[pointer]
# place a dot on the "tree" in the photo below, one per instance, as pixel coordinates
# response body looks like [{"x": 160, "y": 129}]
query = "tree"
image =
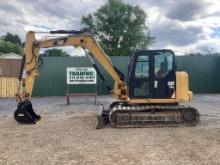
[
  {"x": 8, "y": 47},
  {"x": 55, "y": 53},
  {"x": 119, "y": 28},
  {"x": 13, "y": 38}
]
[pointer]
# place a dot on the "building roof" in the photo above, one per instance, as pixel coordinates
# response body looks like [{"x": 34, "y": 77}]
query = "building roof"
[{"x": 10, "y": 56}]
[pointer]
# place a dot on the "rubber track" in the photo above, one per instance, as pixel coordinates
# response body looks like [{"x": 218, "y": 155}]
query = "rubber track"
[{"x": 123, "y": 116}]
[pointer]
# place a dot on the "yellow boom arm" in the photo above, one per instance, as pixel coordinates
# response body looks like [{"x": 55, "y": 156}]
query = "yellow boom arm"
[{"x": 83, "y": 40}]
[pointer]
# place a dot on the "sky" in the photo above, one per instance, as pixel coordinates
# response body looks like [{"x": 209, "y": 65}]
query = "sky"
[{"x": 185, "y": 26}]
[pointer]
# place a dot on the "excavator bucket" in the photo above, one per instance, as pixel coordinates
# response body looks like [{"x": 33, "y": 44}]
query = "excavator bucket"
[
  {"x": 25, "y": 114},
  {"x": 102, "y": 117}
]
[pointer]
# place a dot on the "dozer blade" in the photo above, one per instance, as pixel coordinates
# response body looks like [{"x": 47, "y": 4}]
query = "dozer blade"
[
  {"x": 102, "y": 117},
  {"x": 25, "y": 114}
]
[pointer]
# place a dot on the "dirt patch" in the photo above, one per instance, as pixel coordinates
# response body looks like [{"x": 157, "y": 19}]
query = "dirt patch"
[{"x": 67, "y": 135}]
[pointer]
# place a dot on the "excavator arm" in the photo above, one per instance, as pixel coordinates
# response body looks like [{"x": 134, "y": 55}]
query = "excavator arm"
[
  {"x": 77, "y": 39},
  {"x": 30, "y": 66}
]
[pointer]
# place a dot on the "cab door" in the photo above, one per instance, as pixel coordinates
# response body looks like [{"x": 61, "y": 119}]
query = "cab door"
[
  {"x": 140, "y": 76},
  {"x": 152, "y": 74},
  {"x": 164, "y": 78}
]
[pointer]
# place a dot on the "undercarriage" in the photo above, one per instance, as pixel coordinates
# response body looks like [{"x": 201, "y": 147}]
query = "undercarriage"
[{"x": 123, "y": 115}]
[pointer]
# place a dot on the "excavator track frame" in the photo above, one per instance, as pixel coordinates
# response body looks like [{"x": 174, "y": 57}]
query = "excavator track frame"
[{"x": 124, "y": 115}]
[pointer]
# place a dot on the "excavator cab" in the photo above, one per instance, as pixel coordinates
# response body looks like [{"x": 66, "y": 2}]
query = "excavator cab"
[{"x": 152, "y": 74}]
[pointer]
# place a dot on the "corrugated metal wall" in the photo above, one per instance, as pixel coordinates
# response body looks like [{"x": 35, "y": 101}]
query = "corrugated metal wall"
[
  {"x": 203, "y": 74},
  {"x": 52, "y": 78}
]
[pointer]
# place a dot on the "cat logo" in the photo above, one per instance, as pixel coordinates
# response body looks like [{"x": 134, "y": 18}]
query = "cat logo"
[
  {"x": 60, "y": 42},
  {"x": 171, "y": 84}
]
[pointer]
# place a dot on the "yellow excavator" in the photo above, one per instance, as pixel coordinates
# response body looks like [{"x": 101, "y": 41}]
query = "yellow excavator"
[{"x": 151, "y": 95}]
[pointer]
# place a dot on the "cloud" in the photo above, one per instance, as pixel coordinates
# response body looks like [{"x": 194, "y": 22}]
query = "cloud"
[
  {"x": 185, "y": 26},
  {"x": 9, "y": 8},
  {"x": 186, "y": 10},
  {"x": 170, "y": 32}
]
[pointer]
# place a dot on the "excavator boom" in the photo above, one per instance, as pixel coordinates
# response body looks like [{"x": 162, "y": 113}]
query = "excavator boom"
[{"x": 25, "y": 112}]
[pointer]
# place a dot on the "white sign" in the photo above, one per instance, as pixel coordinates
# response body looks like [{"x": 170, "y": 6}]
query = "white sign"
[{"x": 81, "y": 75}]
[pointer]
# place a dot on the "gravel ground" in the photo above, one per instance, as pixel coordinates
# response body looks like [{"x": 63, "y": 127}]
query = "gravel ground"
[{"x": 67, "y": 135}]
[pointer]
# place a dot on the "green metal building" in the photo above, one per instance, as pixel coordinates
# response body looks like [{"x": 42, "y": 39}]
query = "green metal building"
[{"x": 203, "y": 74}]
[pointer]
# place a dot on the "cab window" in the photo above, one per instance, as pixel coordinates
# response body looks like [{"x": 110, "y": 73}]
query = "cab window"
[
  {"x": 142, "y": 67},
  {"x": 163, "y": 64}
]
